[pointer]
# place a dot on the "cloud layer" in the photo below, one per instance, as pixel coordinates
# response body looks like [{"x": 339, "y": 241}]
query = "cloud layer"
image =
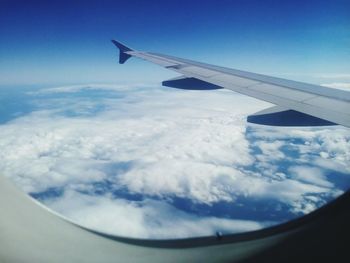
[
  {"x": 121, "y": 159},
  {"x": 338, "y": 85}
]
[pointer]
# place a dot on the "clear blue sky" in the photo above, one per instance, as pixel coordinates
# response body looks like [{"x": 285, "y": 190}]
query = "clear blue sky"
[{"x": 62, "y": 42}]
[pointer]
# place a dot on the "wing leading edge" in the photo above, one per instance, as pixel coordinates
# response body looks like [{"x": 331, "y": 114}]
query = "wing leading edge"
[{"x": 300, "y": 104}]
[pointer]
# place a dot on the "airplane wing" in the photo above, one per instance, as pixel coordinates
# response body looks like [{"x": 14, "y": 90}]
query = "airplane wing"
[{"x": 298, "y": 104}]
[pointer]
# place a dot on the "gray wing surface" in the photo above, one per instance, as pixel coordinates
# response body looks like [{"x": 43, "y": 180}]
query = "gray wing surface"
[{"x": 295, "y": 98}]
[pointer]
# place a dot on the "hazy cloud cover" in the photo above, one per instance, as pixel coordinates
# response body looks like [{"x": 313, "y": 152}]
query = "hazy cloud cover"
[
  {"x": 338, "y": 85},
  {"x": 147, "y": 161}
]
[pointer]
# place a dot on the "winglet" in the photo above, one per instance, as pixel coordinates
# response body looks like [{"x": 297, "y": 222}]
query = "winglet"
[{"x": 123, "y": 56}]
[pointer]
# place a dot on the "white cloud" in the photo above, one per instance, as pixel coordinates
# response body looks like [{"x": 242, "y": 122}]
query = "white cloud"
[
  {"x": 310, "y": 175},
  {"x": 333, "y": 76},
  {"x": 54, "y": 150},
  {"x": 338, "y": 85},
  {"x": 270, "y": 150},
  {"x": 164, "y": 143},
  {"x": 91, "y": 86}
]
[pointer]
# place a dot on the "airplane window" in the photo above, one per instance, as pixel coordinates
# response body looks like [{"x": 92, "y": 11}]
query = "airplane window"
[
  {"x": 191, "y": 131},
  {"x": 147, "y": 161}
]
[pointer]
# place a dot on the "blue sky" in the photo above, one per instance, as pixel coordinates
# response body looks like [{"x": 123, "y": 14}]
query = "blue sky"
[{"x": 64, "y": 42}]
